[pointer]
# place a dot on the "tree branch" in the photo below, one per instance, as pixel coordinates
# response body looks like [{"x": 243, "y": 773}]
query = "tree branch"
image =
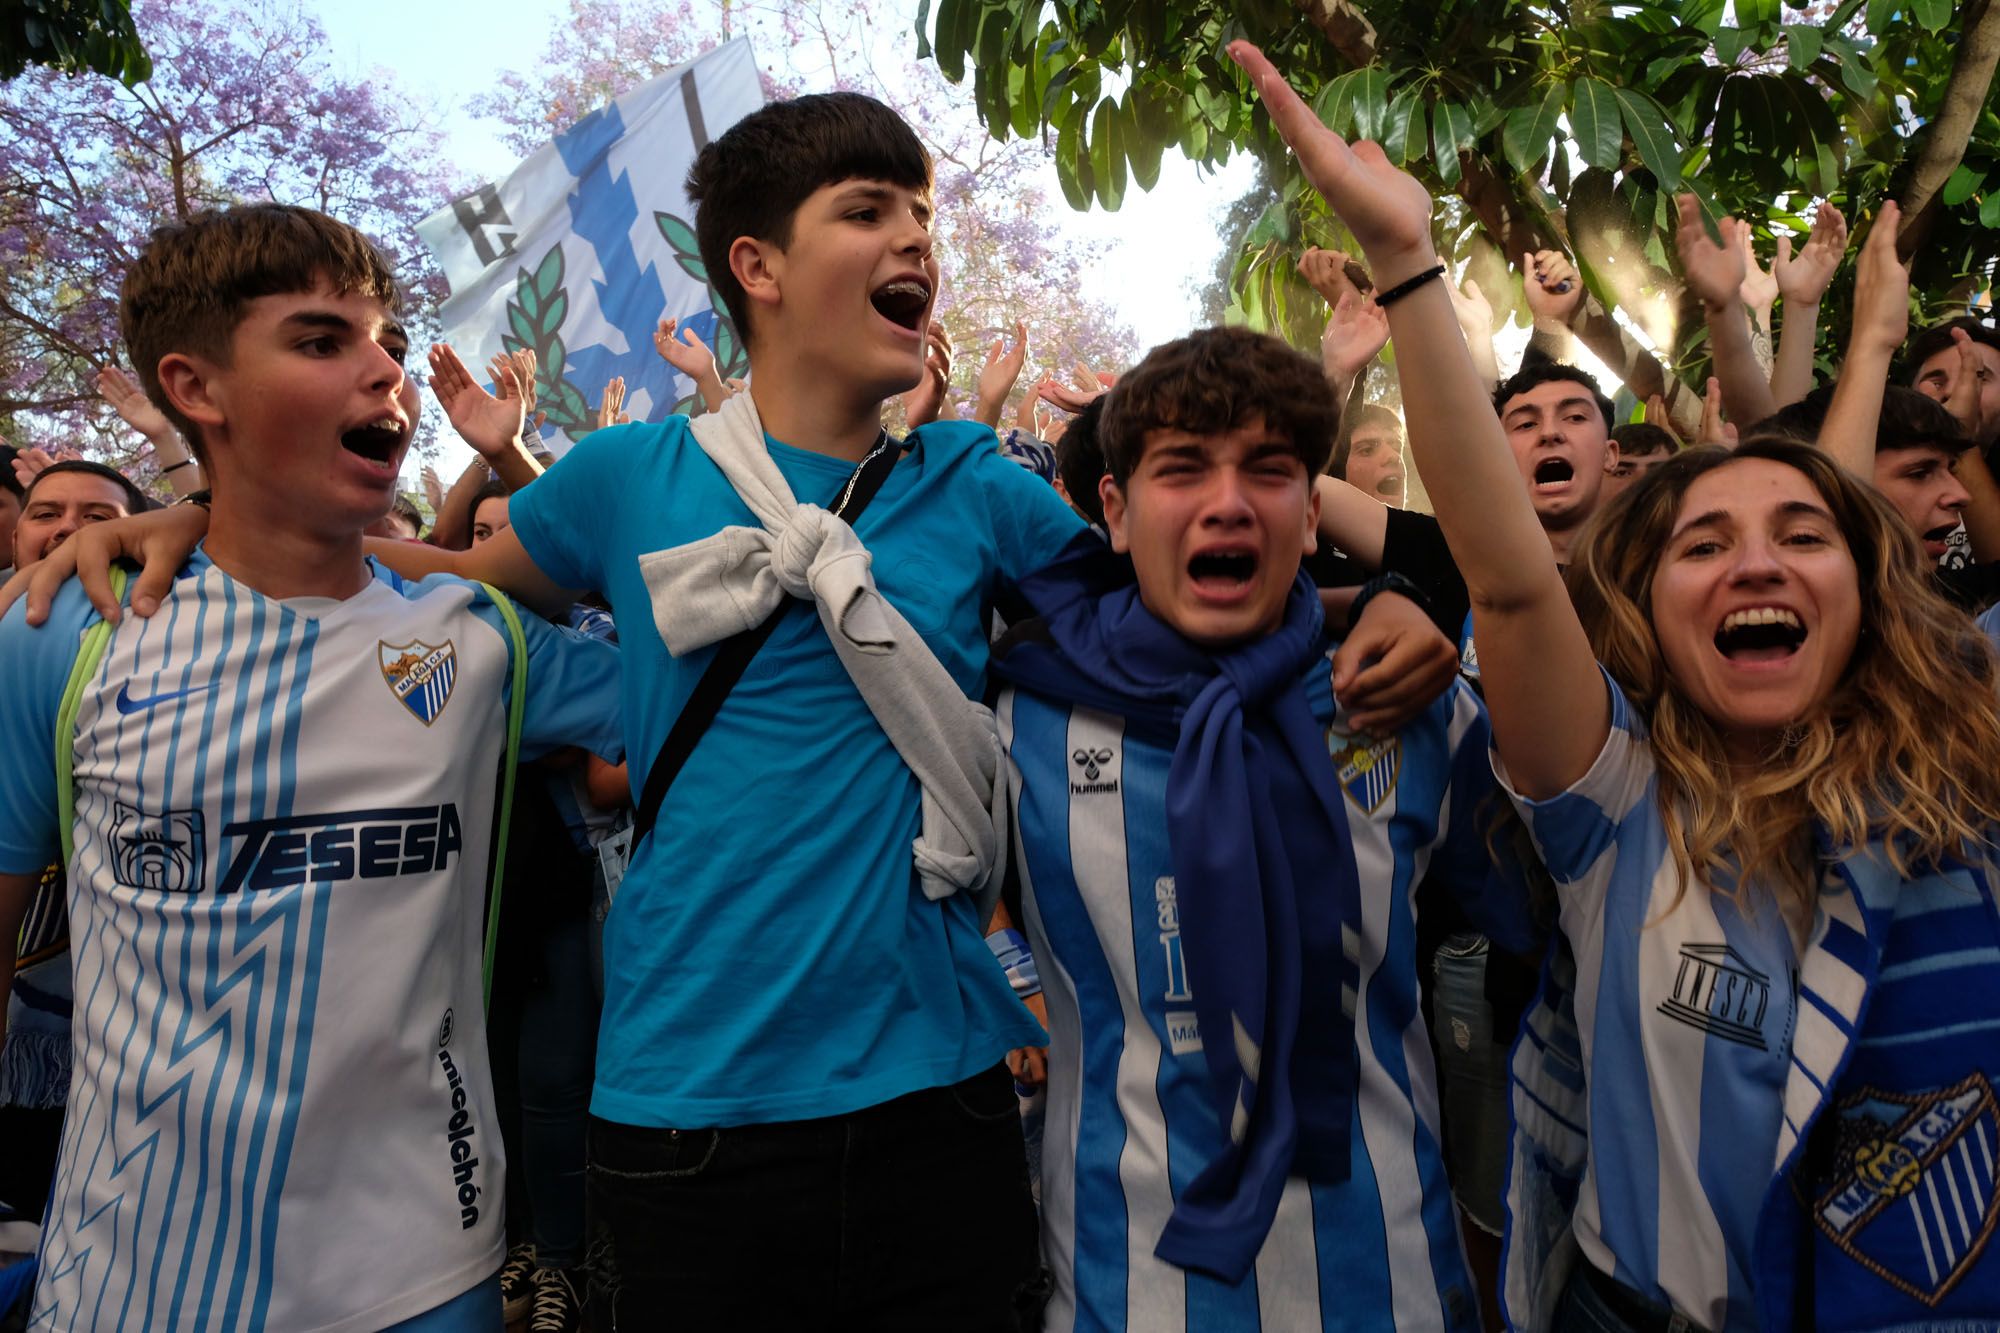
[
  {"x": 1346, "y": 28},
  {"x": 1944, "y": 147}
]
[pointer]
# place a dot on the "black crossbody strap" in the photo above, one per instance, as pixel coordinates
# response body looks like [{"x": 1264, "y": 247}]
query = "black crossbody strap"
[{"x": 730, "y": 661}]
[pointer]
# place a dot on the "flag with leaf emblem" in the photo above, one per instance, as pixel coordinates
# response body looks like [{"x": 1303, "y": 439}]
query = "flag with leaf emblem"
[{"x": 581, "y": 251}]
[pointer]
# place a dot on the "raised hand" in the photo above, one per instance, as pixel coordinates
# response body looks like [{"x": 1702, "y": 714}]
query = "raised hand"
[
  {"x": 1803, "y": 278},
  {"x": 1714, "y": 272},
  {"x": 522, "y": 361},
  {"x": 1474, "y": 311},
  {"x": 611, "y": 412},
  {"x": 922, "y": 404},
  {"x": 1552, "y": 286},
  {"x": 688, "y": 353},
  {"x": 998, "y": 376},
  {"x": 1964, "y": 400},
  {"x": 131, "y": 403},
  {"x": 1355, "y": 336},
  {"x": 490, "y": 425},
  {"x": 433, "y": 488},
  {"x": 1759, "y": 288},
  {"x": 1328, "y": 272},
  {"x": 30, "y": 463},
  {"x": 1385, "y": 208},
  {"x": 1881, "y": 289},
  {"x": 1086, "y": 386},
  {"x": 1714, "y": 430},
  {"x": 1032, "y": 413}
]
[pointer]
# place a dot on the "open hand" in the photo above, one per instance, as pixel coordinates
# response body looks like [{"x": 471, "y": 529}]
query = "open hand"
[
  {"x": 688, "y": 353},
  {"x": 1474, "y": 311},
  {"x": 1385, "y": 208},
  {"x": 611, "y": 412},
  {"x": 922, "y": 404},
  {"x": 131, "y": 403},
  {"x": 160, "y": 540},
  {"x": 490, "y": 425},
  {"x": 1881, "y": 289},
  {"x": 1714, "y": 272},
  {"x": 1086, "y": 386},
  {"x": 1759, "y": 288},
  {"x": 1964, "y": 400},
  {"x": 998, "y": 376},
  {"x": 1355, "y": 336},
  {"x": 523, "y": 363},
  {"x": 1714, "y": 430},
  {"x": 1802, "y": 279}
]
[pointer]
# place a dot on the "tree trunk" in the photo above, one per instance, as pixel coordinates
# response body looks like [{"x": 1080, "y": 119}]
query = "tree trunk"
[{"x": 1944, "y": 148}]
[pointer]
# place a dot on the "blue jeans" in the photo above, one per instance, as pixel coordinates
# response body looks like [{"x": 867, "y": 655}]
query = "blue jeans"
[
  {"x": 1472, "y": 1077},
  {"x": 914, "y": 1214}
]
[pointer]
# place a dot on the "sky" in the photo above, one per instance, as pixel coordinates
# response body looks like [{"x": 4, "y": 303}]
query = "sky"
[{"x": 1150, "y": 255}]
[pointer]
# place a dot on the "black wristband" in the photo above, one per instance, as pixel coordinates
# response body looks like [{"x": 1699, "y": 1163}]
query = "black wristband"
[
  {"x": 1403, "y": 289},
  {"x": 199, "y": 497},
  {"x": 172, "y": 467},
  {"x": 1387, "y": 581}
]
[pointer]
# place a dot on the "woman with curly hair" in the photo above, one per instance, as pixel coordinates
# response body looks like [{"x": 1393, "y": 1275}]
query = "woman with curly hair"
[{"x": 1758, "y": 757}]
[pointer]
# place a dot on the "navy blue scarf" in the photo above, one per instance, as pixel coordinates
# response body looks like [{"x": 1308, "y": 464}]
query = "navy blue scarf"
[{"x": 1263, "y": 869}]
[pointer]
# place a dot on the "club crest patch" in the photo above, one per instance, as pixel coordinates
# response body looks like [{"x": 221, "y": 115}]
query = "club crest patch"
[
  {"x": 1912, "y": 1193},
  {"x": 1365, "y": 766},
  {"x": 162, "y": 851},
  {"x": 420, "y": 675}
]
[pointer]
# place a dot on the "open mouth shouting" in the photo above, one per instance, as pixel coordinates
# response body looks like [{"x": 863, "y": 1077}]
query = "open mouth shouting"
[
  {"x": 1760, "y": 636},
  {"x": 903, "y": 302},
  {"x": 1938, "y": 540},
  {"x": 1222, "y": 573},
  {"x": 379, "y": 441},
  {"x": 1553, "y": 474}
]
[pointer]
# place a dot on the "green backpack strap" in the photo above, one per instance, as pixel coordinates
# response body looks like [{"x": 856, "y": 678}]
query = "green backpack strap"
[
  {"x": 89, "y": 654},
  {"x": 517, "y": 697}
]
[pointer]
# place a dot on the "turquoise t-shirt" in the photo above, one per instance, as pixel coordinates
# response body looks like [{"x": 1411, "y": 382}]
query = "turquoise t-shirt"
[{"x": 770, "y": 955}]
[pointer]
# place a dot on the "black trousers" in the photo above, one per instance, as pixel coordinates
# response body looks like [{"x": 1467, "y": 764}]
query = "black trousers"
[{"x": 914, "y": 1214}]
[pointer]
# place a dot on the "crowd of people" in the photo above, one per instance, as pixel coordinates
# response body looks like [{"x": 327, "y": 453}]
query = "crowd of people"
[{"x": 1117, "y": 869}]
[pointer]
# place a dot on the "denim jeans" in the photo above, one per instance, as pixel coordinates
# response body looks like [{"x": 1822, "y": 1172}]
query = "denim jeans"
[
  {"x": 1472, "y": 1077},
  {"x": 914, "y": 1214},
  {"x": 1584, "y": 1308}
]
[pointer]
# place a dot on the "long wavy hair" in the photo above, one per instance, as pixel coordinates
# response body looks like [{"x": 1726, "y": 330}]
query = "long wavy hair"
[{"x": 1905, "y": 751}]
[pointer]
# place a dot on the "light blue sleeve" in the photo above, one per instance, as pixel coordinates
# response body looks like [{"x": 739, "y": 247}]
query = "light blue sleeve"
[
  {"x": 35, "y": 664},
  {"x": 573, "y": 686},
  {"x": 1031, "y": 523},
  {"x": 1494, "y": 896},
  {"x": 561, "y": 517},
  {"x": 1989, "y": 624}
]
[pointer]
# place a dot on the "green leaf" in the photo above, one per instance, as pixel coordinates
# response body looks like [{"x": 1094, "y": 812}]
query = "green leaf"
[
  {"x": 1828, "y": 163},
  {"x": 1703, "y": 15},
  {"x": 1729, "y": 43},
  {"x": 923, "y": 29},
  {"x": 1880, "y": 14},
  {"x": 1933, "y": 14},
  {"x": 1143, "y": 144},
  {"x": 1451, "y": 133},
  {"x": 951, "y": 44},
  {"x": 1024, "y": 98},
  {"x": 1593, "y": 115},
  {"x": 1073, "y": 167},
  {"x": 1653, "y": 135},
  {"x": 1989, "y": 212},
  {"x": 1749, "y": 13},
  {"x": 549, "y": 273},
  {"x": 1529, "y": 129},
  {"x": 1802, "y": 45},
  {"x": 549, "y": 368},
  {"x": 1335, "y": 103},
  {"x": 1964, "y": 183},
  {"x": 529, "y": 335},
  {"x": 1406, "y": 126},
  {"x": 1371, "y": 104},
  {"x": 1107, "y": 155}
]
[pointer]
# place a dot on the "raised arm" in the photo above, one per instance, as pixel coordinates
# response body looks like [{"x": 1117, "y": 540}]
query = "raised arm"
[
  {"x": 1715, "y": 274},
  {"x": 1802, "y": 280},
  {"x": 1550, "y": 711},
  {"x": 492, "y": 426},
  {"x": 1881, "y": 322},
  {"x": 170, "y": 452}
]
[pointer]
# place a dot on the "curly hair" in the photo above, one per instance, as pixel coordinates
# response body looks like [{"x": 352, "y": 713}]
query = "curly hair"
[{"x": 1901, "y": 753}]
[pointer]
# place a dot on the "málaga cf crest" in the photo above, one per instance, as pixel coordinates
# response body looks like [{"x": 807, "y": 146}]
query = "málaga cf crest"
[{"x": 420, "y": 675}]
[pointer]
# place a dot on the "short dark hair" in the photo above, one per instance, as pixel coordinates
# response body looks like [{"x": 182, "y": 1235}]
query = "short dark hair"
[
  {"x": 494, "y": 489},
  {"x": 1212, "y": 381},
  {"x": 1908, "y": 420},
  {"x": 406, "y": 508},
  {"x": 751, "y": 181},
  {"x": 1368, "y": 414},
  {"x": 1080, "y": 460},
  {"x": 1642, "y": 439},
  {"x": 135, "y": 499},
  {"x": 1937, "y": 338},
  {"x": 1543, "y": 372},
  {"x": 187, "y": 290}
]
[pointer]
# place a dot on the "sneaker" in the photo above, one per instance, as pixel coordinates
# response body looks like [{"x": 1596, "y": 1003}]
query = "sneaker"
[
  {"x": 558, "y": 1302},
  {"x": 517, "y": 1283}
]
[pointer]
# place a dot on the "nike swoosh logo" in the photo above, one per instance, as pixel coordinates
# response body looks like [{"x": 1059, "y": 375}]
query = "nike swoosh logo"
[{"x": 127, "y": 704}]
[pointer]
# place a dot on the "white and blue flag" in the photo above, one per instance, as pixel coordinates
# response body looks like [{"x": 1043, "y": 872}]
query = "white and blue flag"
[{"x": 582, "y": 250}]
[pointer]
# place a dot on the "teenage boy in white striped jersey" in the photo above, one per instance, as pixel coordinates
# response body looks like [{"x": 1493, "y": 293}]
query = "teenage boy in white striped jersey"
[{"x": 1217, "y": 862}]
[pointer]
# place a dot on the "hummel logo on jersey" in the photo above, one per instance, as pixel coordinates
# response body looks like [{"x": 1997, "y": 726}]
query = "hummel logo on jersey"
[
  {"x": 162, "y": 851},
  {"x": 420, "y": 675},
  {"x": 325, "y": 849},
  {"x": 128, "y": 705},
  {"x": 1092, "y": 763}
]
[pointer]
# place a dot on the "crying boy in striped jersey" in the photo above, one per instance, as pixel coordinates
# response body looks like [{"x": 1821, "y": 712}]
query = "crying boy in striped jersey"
[{"x": 1216, "y": 865}]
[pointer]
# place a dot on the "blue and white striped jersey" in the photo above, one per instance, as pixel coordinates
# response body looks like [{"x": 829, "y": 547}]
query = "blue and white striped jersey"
[
  {"x": 280, "y": 1114},
  {"x": 1131, "y": 1119},
  {"x": 1737, "y": 1105}
]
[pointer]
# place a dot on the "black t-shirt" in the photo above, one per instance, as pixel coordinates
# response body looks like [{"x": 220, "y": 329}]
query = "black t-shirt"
[{"x": 1413, "y": 545}]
